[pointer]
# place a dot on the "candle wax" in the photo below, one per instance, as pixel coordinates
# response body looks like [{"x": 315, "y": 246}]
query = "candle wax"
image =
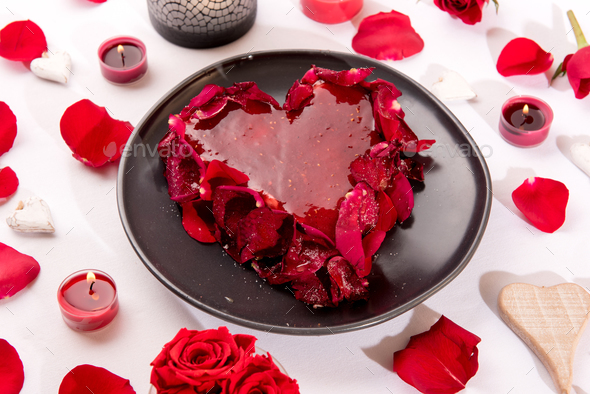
[
  {"x": 79, "y": 295},
  {"x": 130, "y": 56},
  {"x": 534, "y": 120}
]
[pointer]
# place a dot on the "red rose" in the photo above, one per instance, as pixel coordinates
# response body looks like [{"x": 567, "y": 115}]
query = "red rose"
[
  {"x": 197, "y": 361},
  {"x": 261, "y": 376},
  {"x": 469, "y": 11}
]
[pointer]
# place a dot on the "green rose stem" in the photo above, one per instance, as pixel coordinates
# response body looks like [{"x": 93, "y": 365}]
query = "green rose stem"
[{"x": 580, "y": 39}]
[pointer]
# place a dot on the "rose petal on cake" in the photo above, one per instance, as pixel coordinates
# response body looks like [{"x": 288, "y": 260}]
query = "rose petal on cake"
[
  {"x": 184, "y": 170},
  {"x": 22, "y": 41},
  {"x": 315, "y": 233},
  {"x": 198, "y": 220},
  {"x": 523, "y": 56},
  {"x": 264, "y": 233},
  {"x": 387, "y": 36},
  {"x": 543, "y": 202},
  {"x": 8, "y": 183},
  {"x": 207, "y": 94},
  {"x": 12, "y": 374},
  {"x": 378, "y": 84},
  {"x": 409, "y": 140},
  {"x": 310, "y": 76},
  {"x": 93, "y": 136},
  {"x": 16, "y": 271},
  {"x": 211, "y": 109},
  {"x": 350, "y": 285},
  {"x": 358, "y": 214},
  {"x": 310, "y": 289},
  {"x": 218, "y": 174},
  {"x": 7, "y": 128},
  {"x": 387, "y": 212},
  {"x": 417, "y": 146},
  {"x": 322, "y": 219},
  {"x": 176, "y": 125},
  {"x": 298, "y": 96},
  {"x": 401, "y": 196},
  {"x": 345, "y": 77},
  {"x": 231, "y": 204},
  {"x": 440, "y": 360},
  {"x": 253, "y": 92},
  {"x": 411, "y": 169},
  {"x": 387, "y": 104},
  {"x": 376, "y": 172},
  {"x": 95, "y": 379}
]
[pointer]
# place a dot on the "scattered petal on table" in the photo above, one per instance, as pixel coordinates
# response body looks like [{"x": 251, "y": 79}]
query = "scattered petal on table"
[
  {"x": 93, "y": 379},
  {"x": 543, "y": 202},
  {"x": 8, "y": 183},
  {"x": 387, "y": 36},
  {"x": 22, "y": 41},
  {"x": 12, "y": 374},
  {"x": 7, "y": 128},
  {"x": 93, "y": 136},
  {"x": 16, "y": 271},
  {"x": 523, "y": 56}
]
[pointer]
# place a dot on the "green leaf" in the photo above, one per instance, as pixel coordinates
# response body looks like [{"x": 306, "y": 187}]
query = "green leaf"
[{"x": 557, "y": 72}]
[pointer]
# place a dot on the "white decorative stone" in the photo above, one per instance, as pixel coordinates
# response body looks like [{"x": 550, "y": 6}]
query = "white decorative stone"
[
  {"x": 452, "y": 86},
  {"x": 55, "y": 68},
  {"x": 31, "y": 216},
  {"x": 581, "y": 156}
]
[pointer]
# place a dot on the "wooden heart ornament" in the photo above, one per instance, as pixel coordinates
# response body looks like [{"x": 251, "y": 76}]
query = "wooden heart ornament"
[{"x": 550, "y": 320}]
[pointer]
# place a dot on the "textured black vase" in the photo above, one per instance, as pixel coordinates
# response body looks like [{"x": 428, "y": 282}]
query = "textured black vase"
[{"x": 202, "y": 23}]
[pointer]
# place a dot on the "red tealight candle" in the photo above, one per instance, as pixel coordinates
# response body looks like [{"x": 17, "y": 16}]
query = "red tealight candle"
[
  {"x": 525, "y": 121},
  {"x": 331, "y": 11},
  {"x": 122, "y": 59},
  {"x": 88, "y": 300}
]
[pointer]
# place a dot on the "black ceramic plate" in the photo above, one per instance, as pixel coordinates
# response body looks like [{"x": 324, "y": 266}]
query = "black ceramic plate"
[{"x": 416, "y": 260}]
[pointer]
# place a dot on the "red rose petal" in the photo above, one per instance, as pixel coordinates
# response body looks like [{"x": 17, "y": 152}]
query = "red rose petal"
[
  {"x": 298, "y": 96},
  {"x": 98, "y": 380},
  {"x": 469, "y": 11},
  {"x": 218, "y": 174},
  {"x": 16, "y": 271},
  {"x": 345, "y": 77},
  {"x": 22, "y": 41},
  {"x": 198, "y": 220},
  {"x": 8, "y": 183},
  {"x": 7, "y": 128},
  {"x": 401, "y": 196},
  {"x": 350, "y": 285},
  {"x": 440, "y": 360},
  {"x": 387, "y": 36},
  {"x": 523, "y": 56},
  {"x": 260, "y": 375},
  {"x": 12, "y": 374},
  {"x": 578, "y": 72},
  {"x": 97, "y": 1},
  {"x": 543, "y": 202},
  {"x": 93, "y": 136},
  {"x": 264, "y": 233}
]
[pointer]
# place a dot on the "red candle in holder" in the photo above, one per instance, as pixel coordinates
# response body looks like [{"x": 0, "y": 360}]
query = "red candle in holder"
[
  {"x": 331, "y": 11},
  {"x": 88, "y": 300},
  {"x": 123, "y": 60},
  {"x": 525, "y": 121}
]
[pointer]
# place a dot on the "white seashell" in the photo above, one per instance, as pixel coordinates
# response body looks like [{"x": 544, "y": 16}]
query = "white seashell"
[
  {"x": 452, "y": 86},
  {"x": 55, "y": 68},
  {"x": 581, "y": 156},
  {"x": 31, "y": 216}
]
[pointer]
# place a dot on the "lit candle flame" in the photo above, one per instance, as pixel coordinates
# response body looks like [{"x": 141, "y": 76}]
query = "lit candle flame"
[
  {"x": 525, "y": 110},
  {"x": 90, "y": 277},
  {"x": 120, "y": 49}
]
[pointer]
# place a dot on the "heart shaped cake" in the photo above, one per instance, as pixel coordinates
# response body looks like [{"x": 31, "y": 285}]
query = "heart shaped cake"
[{"x": 304, "y": 192}]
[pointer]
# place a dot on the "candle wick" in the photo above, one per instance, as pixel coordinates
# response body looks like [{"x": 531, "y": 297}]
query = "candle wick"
[
  {"x": 92, "y": 284},
  {"x": 123, "y": 59}
]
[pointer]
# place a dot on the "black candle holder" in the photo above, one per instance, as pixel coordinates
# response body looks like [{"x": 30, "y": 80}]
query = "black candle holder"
[{"x": 202, "y": 23}]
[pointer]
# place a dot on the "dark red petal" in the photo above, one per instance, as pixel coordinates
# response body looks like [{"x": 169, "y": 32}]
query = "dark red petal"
[
  {"x": 7, "y": 128},
  {"x": 350, "y": 285},
  {"x": 523, "y": 56},
  {"x": 8, "y": 183},
  {"x": 298, "y": 96},
  {"x": 468, "y": 11},
  {"x": 401, "y": 196},
  {"x": 387, "y": 36},
  {"x": 22, "y": 41},
  {"x": 578, "y": 72},
  {"x": 198, "y": 220},
  {"x": 218, "y": 174},
  {"x": 543, "y": 202},
  {"x": 97, "y": 380},
  {"x": 387, "y": 212},
  {"x": 93, "y": 136},
  {"x": 264, "y": 233},
  {"x": 310, "y": 76},
  {"x": 16, "y": 271},
  {"x": 345, "y": 77},
  {"x": 12, "y": 374}
]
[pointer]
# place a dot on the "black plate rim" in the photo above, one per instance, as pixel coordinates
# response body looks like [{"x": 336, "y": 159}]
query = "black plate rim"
[{"x": 323, "y": 330}]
